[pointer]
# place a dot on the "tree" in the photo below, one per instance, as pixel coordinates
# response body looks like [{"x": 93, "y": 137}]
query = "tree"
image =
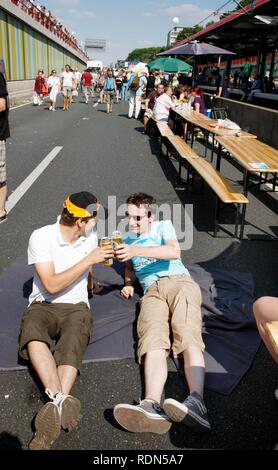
[
  {"x": 144, "y": 55},
  {"x": 186, "y": 32},
  {"x": 242, "y": 3}
]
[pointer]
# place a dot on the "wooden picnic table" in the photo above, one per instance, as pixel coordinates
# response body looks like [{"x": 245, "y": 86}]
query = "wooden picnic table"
[
  {"x": 250, "y": 153},
  {"x": 253, "y": 155},
  {"x": 210, "y": 126}
]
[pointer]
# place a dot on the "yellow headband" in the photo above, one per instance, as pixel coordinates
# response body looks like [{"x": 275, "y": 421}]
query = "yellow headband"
[{"x": 75, "y": 210}]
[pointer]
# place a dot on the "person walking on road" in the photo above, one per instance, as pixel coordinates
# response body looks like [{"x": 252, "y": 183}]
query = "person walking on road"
[
  {"x": 110, "y": 90},
  {"x": 53, "y": 83},
  {"x": 39, "y": 88},
  {"x": 4, "y": 134},
  {"x": 171, "y": 301},
  {"x": 136, "y": 88},
  {"x": 56, "y": 326},
  {"x": 87, "y": 83},
  {"x": 67, "y": 85}
]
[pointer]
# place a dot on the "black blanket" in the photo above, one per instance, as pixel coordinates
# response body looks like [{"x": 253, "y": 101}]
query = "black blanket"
[{"x": 229, "y": 329}]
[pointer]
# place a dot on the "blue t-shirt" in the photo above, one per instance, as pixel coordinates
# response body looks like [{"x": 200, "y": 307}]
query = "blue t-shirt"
[
  {"x": 149, "y": 270},
  {"x": 110, "y": 84}
]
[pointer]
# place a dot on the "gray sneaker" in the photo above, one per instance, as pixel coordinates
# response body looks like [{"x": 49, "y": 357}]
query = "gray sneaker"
[
  {"x": 145, "y": 417},
  {"x": 191, "y": 412}
]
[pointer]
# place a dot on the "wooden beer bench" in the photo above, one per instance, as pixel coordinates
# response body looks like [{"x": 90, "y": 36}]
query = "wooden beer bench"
[
  {"x": 165, "y": 133},
  {"x": 225, "y": 191}
]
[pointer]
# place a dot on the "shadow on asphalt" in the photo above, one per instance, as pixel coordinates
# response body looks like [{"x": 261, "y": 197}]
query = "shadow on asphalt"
[
  {"x": 124, "y": 116},
  {"x": 9, "y": 442},
  {"x": 109, "y": 417}
]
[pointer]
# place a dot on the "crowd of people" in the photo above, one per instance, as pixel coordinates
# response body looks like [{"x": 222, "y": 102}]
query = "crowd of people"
[
  {"x": 47, "y": 19},
  {"x": 157, "y": 91},
  {"x": 243, "y": 79}
]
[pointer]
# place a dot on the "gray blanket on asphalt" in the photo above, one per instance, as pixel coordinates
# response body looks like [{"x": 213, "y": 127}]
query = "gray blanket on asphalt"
[{"x": 229, "y": 329}]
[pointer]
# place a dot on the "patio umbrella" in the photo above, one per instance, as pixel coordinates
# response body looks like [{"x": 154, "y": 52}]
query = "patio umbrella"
[
  {"x": 140, "y": 67},
  {"x": 196, "y": 48},
  {"x": 170, "y": 65}
]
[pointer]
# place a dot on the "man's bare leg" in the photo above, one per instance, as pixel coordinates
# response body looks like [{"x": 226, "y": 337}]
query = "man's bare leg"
[
  {"x": 3, "y": 197},
  {"x": 44, "y": 364},
  {"x": 265, "y": 310},
  {"x": 192, "y": 412},
  {"x": 148, "y": 416},
  {"x": 155, "y": 368},
  {"x": 146, "y": 120},
  {"x": 67, "y": 376},
  {"x": 48, "y": 419},
  {"x": 194, "y": 369}
]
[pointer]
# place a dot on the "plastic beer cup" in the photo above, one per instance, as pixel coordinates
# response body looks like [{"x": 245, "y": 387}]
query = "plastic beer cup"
[
  {"x": 117, "y": 238},
  {"x": 106, "y": 242}
]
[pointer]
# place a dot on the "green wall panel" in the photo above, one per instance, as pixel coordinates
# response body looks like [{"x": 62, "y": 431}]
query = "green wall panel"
[{"x": 25, "y": 50}]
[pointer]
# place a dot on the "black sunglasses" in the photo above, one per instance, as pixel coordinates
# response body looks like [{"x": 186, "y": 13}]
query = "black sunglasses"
[{"x": 137, "y": 218}]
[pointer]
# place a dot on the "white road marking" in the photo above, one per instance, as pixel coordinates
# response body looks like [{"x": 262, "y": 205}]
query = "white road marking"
[
  {"x": 25, "y": 104},
  {"x": 27, "y": 183},
  {"x": 20, "y": 105}
]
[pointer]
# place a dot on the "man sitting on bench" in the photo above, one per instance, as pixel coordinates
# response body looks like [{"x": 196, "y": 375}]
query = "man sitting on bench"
[{"x": 149, "y": 104}]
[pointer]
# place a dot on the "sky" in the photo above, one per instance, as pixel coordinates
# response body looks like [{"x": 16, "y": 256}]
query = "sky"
[{"x": 128, "y": 25}]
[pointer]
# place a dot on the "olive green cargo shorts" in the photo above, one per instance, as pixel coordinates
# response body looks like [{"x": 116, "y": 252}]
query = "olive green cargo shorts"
[{"x": 65, "y": 328}]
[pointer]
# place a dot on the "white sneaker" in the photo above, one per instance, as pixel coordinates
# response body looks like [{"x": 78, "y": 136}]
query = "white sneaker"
[
  {"x": 53, "y": 109},
  {"x": 69, "y": 408},
  {"x": 50, "y": 108}
]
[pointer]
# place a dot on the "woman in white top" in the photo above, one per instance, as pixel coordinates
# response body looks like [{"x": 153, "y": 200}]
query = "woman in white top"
[{"x": 53, "y": 83}]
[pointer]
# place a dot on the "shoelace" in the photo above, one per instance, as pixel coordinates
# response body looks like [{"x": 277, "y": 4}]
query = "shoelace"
[
  {"x": 155, "y": 407},
  {"x": 195, "y": 401},
  {"x": 57, "y": 399}
]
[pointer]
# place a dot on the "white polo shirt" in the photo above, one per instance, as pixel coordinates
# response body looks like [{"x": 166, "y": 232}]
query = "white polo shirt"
[
  {"x": 47, "y": 245},
  {"x": 67, "y": 79}
]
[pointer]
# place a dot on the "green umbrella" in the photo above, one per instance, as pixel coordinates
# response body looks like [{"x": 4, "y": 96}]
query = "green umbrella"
[{"x": 169, "y": 64}]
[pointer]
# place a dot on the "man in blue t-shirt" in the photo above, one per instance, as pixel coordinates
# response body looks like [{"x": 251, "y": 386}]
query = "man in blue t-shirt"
[{"x": 172, "y": 300}]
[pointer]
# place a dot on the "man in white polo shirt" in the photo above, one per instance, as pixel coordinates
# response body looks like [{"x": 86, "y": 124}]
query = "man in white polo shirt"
[{"x": 62, "y": 255}]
